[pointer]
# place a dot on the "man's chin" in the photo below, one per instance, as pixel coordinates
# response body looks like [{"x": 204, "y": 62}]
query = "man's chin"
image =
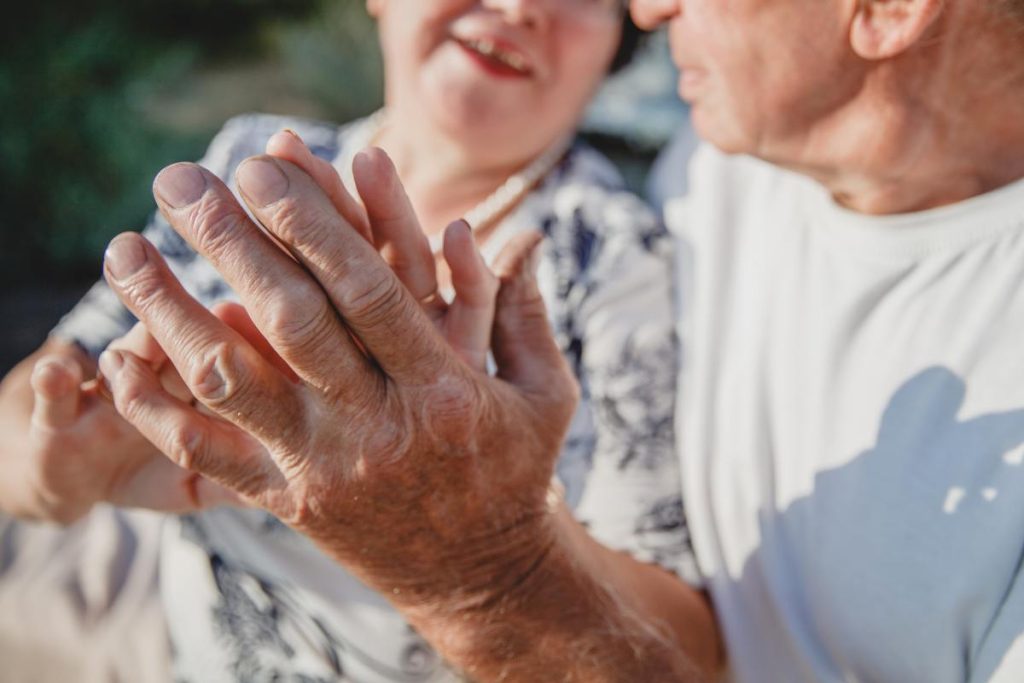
[{"x": 715, "y": 129}]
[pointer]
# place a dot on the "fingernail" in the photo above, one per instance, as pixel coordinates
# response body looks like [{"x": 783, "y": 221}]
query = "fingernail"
[
  {"x": 180, "y": 185},
  {"x": 125, "y": 256},
  {"x": 261, "y": 181},
  {"x": 111, "y": 363},
  {"x": 289, "y": 131}
]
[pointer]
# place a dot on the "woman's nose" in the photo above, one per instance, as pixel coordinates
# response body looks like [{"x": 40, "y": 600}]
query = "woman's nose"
[{"x": 648, "y": 14}]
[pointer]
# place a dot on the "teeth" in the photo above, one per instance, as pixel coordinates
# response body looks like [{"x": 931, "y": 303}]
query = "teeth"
[{"x": 489, "y": 49}]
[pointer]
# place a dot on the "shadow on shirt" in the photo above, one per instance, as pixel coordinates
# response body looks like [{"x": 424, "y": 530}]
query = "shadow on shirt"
[{"x": 905, "y": 563}]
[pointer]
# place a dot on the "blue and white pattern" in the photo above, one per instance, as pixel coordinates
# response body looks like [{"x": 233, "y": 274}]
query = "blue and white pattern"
[{"x": 248, "y": 599}]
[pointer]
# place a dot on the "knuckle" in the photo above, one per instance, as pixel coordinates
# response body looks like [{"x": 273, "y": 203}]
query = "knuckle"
[
  {"x": 374, "y": 302},
  {"x": 305, "y": 509},
  {"x": 215, "y": 225},
  {"x": 304, "y": 315},
  {"x": 131, "y": 394},
  {"x": 187, "y": 446},
  {"x": 302, "y": 226},
  {"x": 454, "y": 405},
  {"x": 213, "y": 379},
  {"x": 144, "y": 288}
]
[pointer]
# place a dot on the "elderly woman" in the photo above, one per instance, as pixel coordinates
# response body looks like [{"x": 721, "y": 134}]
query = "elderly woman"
[{"x": 482, "y": 98}]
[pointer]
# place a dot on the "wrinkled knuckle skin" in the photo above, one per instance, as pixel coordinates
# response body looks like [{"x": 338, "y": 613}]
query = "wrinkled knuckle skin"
[
  {"x": 304, "y": 316},
  {"x": 144, "y": 289},
  {"x": 374, "y": 302},
  {"x": 297, "y": 224},
  {"x": 305, "y": 511},
  {"x": 187, "y": 447},
  {"x": 131, "y": 395},
  {"x": 214, "y": 379},
  {"x": 215, "y": 224},
  {"x": 455, "y": 398}
]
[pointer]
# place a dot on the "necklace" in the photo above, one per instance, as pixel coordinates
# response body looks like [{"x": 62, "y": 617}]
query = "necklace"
[{"x": 494, "y": 205}]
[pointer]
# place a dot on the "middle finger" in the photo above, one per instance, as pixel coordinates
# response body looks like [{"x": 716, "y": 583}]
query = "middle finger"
[{"x": 287, "y": 305}]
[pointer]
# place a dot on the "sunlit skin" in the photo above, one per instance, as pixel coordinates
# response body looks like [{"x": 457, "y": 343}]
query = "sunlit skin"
[
  {"x": 893, "y": 106},
  {"x": 460, "y": 122},
  {"x": 460, "y": 126}
]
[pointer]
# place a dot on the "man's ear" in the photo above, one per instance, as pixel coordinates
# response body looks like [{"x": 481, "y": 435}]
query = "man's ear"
[
  {"x": 885, "y": 28},
  {"x": 373, "y": 7}
]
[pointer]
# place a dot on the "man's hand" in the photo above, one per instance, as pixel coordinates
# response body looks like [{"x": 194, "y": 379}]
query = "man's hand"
[
  {"x": 420, "y": 473},
  {"x": 382, "y": 438},
  {"x": 391, "y": 227}
]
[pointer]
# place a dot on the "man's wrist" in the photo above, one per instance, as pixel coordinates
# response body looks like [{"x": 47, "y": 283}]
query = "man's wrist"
[{"x": 561, "y": 618}]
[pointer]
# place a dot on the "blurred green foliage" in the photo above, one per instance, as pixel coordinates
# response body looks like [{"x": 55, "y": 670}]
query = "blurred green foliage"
[{"x": 80, "y": 135}]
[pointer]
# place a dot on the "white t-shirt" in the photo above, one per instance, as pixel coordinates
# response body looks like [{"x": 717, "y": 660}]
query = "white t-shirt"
[{"x": 851, "y": 428}]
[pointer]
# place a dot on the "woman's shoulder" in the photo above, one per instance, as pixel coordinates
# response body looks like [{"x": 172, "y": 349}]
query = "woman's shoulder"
[
  {"x": 246, "y": 135},
  {"x": 588, "y": 203},
  {"x": 588, "y": 186}
]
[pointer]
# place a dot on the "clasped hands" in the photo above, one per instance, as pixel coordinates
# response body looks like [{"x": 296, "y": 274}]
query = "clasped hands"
[{"x": 352, "y": 402}]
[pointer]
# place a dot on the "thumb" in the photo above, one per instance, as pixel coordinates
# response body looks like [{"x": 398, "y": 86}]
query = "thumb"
[
  {"x": 56, "y": 381},
  {"x": 524, "y": 346}
]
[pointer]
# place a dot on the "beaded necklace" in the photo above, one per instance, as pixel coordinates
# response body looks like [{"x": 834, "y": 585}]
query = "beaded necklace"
[{"x": 493, "y": 206}]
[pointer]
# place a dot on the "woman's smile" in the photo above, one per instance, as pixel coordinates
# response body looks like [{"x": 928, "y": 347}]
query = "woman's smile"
[{"x": 496, "y": 57}]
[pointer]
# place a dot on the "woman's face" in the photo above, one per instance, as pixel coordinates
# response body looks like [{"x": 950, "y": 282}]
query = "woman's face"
[{"x": 506, "y": 77}]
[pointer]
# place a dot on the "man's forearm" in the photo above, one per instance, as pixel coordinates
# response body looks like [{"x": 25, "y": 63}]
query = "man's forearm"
[{"x": 584, "y": 613}]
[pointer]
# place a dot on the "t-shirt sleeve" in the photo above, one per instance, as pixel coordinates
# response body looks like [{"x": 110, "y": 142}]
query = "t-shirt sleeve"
[
  {"x": 627, "y": 357},
  {"x": 99, "y": 318}
]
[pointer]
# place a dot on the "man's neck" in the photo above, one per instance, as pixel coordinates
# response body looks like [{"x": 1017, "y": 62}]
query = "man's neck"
[{"x": 916, "y": 138}]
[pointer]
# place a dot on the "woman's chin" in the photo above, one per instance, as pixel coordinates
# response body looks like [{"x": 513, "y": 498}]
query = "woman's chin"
[{"x": 475, "y": 115}]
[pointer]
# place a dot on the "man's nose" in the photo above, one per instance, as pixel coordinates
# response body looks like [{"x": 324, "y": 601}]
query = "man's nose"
[{"x": 648, "y": 14}]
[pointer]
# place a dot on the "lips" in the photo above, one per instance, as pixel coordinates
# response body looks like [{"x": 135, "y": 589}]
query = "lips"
[{"x": 497, "y": 56}]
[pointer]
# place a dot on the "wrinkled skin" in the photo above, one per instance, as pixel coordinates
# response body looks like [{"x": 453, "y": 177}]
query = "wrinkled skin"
[{"x": 423, "y": 475}]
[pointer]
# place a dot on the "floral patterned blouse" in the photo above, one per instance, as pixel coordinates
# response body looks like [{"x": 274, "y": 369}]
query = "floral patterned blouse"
[{"x": 247, "y": 599}]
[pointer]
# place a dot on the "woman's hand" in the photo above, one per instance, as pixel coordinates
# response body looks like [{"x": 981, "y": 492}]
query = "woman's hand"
[{"x": 66, "y": 448}]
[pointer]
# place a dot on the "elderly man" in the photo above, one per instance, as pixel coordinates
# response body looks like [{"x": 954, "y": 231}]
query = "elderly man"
[{"x": 851, "y": 423}]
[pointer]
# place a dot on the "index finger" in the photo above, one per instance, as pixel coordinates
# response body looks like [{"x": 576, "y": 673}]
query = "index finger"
[
  {"x": 288, "y": 306},
  {"x": 369, "y": 296}
]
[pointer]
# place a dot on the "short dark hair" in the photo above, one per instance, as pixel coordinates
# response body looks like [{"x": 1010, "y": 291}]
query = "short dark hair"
[{"x": 630, "y": 43}]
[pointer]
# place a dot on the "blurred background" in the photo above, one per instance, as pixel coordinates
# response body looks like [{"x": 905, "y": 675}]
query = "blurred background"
[{"x": 96, "y": 96}]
